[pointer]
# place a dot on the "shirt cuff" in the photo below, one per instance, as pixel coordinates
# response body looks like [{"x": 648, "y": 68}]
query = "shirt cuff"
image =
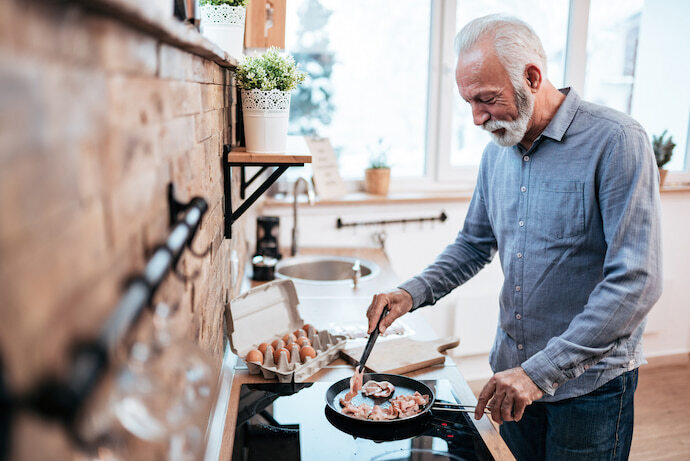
[
  {"x": 544, "y": 372},
  {"x": 417, "y": 289}
]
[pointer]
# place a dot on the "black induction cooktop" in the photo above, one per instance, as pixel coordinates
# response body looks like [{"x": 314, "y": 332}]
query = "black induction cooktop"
[{"x": 292, "y": 422}]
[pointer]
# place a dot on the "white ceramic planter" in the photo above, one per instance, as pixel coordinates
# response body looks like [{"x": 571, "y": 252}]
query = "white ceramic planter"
[
  {"x": 224, "y": 26},
  {"x": 265, "y": 115}
]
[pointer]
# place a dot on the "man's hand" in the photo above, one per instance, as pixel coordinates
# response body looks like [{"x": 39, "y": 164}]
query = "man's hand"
[
  {"x": 399, "y": 302},
  {"x": 510, "y": 392}
]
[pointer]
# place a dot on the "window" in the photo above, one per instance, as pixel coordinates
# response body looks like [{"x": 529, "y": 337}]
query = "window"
[
  {"x": 612, "y": 37},
  {"x": 385, "y": 70},
  {"x": 467, "y": 141},
  {"x": 368, "y": 64}
]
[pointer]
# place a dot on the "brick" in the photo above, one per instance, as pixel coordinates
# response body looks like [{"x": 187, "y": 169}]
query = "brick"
[
  {"x": 176, "y": 136},
  {"x": 206, "y": 124},
  {"x": 182, "y": 98},
  {"x": 127, "y": 151},
  {"x": 212, "y": 97},
  {"x": 174, "y": 63},
  {"x": 128, "y": 203},
  {"x": 135, "y": 101},
  {"x": 124, "y": 50}
]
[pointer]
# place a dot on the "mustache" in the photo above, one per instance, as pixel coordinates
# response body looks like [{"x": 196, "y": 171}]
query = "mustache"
[{"x": 493, "y": 125}]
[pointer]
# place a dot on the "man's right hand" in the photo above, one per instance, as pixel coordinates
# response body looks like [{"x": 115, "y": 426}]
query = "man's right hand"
[{"x": 399, "y": 303}]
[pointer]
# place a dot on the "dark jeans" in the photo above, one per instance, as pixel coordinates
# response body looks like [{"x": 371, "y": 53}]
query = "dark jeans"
[{"x": 595, "y": 426}]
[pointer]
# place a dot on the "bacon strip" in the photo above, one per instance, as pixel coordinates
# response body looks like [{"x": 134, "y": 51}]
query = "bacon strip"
[
  {"x": 378, "y": 389},
  {"x": 355, "y": 384}
]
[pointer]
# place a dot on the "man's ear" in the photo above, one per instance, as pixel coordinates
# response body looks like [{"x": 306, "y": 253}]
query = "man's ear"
[{"x": 533, "y": 77}]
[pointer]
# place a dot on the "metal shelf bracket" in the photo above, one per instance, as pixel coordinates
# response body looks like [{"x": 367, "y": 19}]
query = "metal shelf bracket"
[{"x": 230, "y": 216}]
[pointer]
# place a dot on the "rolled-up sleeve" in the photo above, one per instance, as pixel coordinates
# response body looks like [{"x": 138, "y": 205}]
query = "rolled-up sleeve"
[{"x": 628, "y": 196}]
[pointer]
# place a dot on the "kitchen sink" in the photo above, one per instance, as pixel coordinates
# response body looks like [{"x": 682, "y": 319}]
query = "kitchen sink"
[{"x": 326, "y": 269}]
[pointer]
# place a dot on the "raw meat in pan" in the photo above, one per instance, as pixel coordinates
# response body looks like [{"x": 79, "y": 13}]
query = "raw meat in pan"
[
  {"x": 355, "y": 384},
  {"x": 378, "y": 389},
  {"x": 400, "y": 407},
  {"x": 409, "y": 405}
]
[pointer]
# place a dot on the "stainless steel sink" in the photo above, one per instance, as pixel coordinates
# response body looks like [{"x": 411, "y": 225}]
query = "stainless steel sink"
[{"x": 321, "y": 269}]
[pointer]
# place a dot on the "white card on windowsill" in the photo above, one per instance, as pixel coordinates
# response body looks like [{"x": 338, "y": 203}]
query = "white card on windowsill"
[{"x": 327, "y": 180}]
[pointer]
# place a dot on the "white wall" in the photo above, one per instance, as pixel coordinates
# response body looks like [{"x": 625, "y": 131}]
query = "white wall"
[{"x": 471, "y": 311}]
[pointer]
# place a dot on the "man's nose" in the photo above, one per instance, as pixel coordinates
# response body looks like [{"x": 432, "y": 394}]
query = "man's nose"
[{"x": 479, "y": 116}]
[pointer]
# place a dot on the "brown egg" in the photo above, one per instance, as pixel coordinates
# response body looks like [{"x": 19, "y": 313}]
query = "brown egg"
[
  {"x": 299, "y": 333},
  {"x": 277, "y": 344},
  {"x": 306, "y": 328},
  {"x": 255, "y": 356},
  {"x": 306, "y": 351},
  {"x": 303, "y": 341},
  {"x": 263, "y": 346},
  {"x": 289, "y": 338},
  {"x": 276, "y": 355}
]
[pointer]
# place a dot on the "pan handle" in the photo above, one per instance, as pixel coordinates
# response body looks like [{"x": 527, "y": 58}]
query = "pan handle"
[{"x": 457, "y": 407}]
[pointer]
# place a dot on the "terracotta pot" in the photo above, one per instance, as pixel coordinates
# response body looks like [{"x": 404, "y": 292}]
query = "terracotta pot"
[
  {"x": 662, "y": 176},
  {"x": 377, "y": 180}
]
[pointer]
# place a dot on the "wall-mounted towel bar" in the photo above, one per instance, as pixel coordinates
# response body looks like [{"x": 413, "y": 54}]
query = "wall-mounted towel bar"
[{"x": 340, "y": 224}]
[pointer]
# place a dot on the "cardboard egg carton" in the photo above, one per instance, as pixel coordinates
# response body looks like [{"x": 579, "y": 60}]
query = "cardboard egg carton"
[
  {"x": 326, "y": 345},
  {"x": 269, "y": 312}
]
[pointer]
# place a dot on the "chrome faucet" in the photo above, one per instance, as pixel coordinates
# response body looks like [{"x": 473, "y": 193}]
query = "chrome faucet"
[
  {"x": 310, "y": 197},
  {"x": 356, "y": 273}
]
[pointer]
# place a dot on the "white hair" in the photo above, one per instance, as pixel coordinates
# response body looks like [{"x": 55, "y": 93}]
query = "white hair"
[{"x": 516, "y": 44}]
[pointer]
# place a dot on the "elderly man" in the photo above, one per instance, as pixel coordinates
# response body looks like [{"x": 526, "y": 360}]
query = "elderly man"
[{"x": 567, "y": 193}]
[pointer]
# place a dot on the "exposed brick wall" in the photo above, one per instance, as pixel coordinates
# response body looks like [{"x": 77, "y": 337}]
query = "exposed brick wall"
[{"x": 96, "y": 118}]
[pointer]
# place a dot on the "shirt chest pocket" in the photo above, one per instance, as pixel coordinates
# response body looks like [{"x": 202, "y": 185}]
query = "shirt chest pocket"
[{"x": 560, "y": 208}]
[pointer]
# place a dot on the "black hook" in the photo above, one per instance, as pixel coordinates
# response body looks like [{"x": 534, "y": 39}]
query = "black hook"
[{"x": 176, "y": 207}]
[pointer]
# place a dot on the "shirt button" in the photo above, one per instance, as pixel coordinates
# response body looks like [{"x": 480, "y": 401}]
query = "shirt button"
[
  {"x": 523, "y": 189},
  {"x": 517, "y": 288},
  {"x": 555, "y": 385},
  {"x": 526, "y": 158},
  {"x": 521, "y": 223},
  {"x": 519, "y": 255},
  {"x": 520, "y": 347},
  {"x": 518, "y": 316}
]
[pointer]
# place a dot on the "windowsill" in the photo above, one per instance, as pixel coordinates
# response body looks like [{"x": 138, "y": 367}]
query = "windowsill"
[
  {"x": 675, "y": 188},
  {"x": 361, "y": 198},
  {"x": 402, "y": 198},
  {"x": 143, "y": 16}
]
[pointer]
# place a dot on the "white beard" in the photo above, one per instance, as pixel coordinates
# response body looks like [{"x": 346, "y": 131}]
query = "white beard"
[{"x": 515, "y": 130}]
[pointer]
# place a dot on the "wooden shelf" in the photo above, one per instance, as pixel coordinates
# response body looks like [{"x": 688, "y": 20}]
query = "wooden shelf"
[
  {"x": 240, "y": 157},
  {"x": 298, "y": 154}
]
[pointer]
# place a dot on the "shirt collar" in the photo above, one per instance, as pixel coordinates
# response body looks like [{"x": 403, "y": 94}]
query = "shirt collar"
[{"x": 564, "y": 115}]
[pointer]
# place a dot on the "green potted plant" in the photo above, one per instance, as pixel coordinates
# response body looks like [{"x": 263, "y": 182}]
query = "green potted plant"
[
  {"x": 377, "y": 176},
  {"x": 266, "y": 81},
  {"x": 222, "y": 22},
  {"x": 663, "y": 150}
]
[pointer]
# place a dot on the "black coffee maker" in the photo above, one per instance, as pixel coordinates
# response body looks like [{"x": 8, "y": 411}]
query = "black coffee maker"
[{"x": 267, "y": 229}]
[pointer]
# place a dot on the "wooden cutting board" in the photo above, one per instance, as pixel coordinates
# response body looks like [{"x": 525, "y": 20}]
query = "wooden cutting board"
[{"x": 402, "y": 355}]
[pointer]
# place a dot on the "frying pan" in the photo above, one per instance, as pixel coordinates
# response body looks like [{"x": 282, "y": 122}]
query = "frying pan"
[{"x": 403, "y": 386}]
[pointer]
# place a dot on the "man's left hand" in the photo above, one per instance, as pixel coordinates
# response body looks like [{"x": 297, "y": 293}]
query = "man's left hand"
[{"x": 510, "y": 392}]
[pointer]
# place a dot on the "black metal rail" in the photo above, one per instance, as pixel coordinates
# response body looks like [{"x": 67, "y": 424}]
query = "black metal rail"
[
  {"x": 340, "y": 224},
  {"x": 60, "y": 398}
]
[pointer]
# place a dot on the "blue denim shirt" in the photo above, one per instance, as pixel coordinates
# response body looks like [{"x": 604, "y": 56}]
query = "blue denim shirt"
[{"x": 576, "y": 222}]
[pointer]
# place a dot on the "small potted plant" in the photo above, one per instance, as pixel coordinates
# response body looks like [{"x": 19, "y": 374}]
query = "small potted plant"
[
  {"x": 222, "y": 22},
  {"x": 663, "y": 150},
  {"x": 266, "y": 81},
  {"x": 377, "y": 176}
]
